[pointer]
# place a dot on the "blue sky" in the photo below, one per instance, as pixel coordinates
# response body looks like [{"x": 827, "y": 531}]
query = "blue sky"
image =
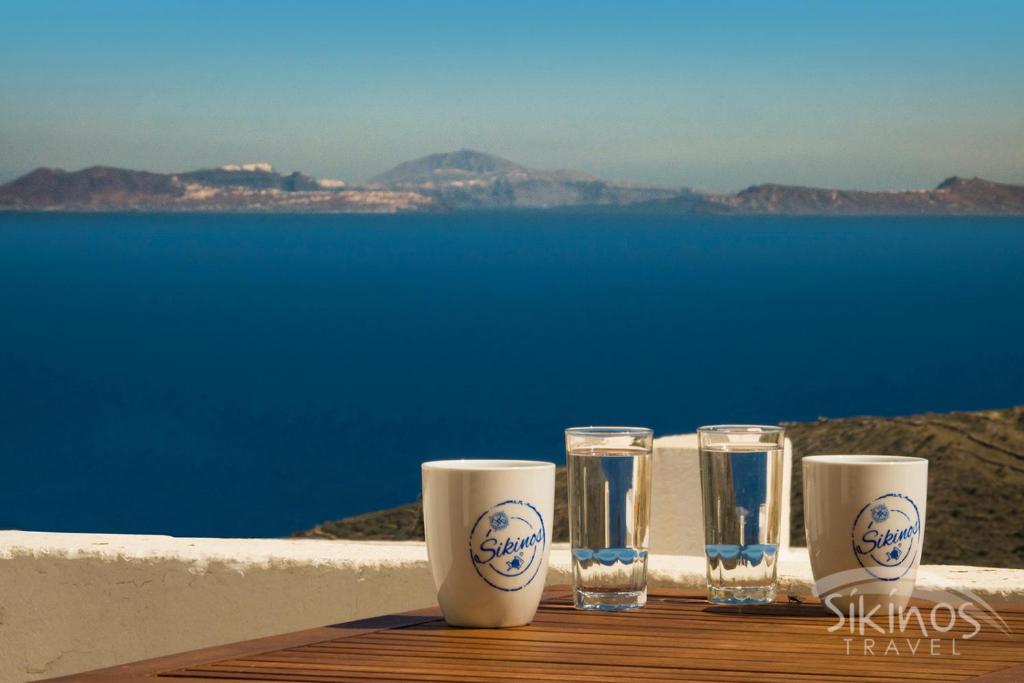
[{"x": 710, "y": 95}]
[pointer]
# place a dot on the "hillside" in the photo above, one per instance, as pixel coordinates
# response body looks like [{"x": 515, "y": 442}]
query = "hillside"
[
  {"x": 975, "y": 496},
  {"x": 975, "y": 476}
]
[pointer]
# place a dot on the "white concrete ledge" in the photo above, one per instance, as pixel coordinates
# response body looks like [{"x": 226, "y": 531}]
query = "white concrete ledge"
[{"x": 74, "y": 602}]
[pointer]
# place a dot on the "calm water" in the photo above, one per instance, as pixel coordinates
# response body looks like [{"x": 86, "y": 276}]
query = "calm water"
[{"x": 254, "y": 375}]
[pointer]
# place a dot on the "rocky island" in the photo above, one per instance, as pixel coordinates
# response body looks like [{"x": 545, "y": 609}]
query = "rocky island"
[
  {"x": 468, "y": 180},
  {"x": 231, "y": 188},
  {"x": 975, "y": 487}
]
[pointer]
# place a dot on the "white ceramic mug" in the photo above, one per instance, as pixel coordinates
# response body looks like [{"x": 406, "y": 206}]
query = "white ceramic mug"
[
  {"x": 487, "y": 525},
  {"x": 864, "y": 516}
]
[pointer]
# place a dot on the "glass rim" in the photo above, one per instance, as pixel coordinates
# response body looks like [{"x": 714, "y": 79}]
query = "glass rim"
[
  {"x": 609, "y": 431},
  {"x": 740, "y": 429}
]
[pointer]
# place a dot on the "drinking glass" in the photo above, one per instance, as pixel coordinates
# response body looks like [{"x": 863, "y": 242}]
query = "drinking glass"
[
  {"x": 609, "y": 514},
  {"x": 741, "y": 488}
]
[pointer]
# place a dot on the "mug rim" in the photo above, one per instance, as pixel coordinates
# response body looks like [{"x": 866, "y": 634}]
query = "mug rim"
[
  {"x": 863, "y": 459},
  {"x": 487, "y": 465}
]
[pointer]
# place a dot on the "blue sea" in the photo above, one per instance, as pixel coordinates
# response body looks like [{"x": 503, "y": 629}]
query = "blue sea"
[{"x": 246, "y": 375}]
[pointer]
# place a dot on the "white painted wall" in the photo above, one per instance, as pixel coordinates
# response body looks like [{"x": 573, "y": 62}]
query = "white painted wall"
[{"x": 73, "y": 602}]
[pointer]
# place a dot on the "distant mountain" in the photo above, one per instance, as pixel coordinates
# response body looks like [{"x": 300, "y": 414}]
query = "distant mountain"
[
  {"x": 468, "y": 179},
  {"x": 236, "y": 187},
  {"x": 952, "y": 196},
  {"x": 464, "y": 164}
]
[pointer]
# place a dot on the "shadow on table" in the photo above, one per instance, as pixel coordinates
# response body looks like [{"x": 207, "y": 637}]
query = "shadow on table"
[{"x": 788, "y": 606}]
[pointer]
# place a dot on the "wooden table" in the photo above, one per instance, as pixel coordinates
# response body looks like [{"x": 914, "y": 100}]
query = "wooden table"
[{"x": 676, "y": 637}]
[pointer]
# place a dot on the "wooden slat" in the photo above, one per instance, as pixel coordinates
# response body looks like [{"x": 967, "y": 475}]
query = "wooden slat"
[
  {"x": 1012, "y": 675},
  {"x": 678, "y": 636}
]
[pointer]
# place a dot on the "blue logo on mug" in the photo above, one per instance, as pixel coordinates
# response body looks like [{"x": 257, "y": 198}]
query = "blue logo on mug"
[
  {"x": 507, "y": 545},
  {"x": 886, "y": 536}
]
